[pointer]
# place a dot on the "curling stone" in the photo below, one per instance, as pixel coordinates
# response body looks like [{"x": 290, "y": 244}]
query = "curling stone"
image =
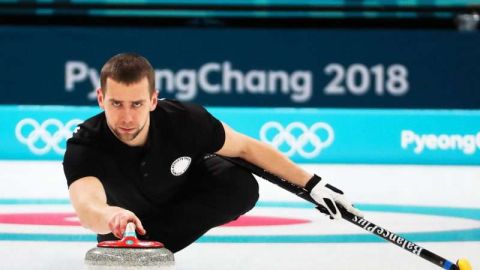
[{"x": 129, "y": 253}]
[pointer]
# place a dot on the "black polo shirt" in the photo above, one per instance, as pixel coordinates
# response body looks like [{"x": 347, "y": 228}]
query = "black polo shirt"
[{"x": 142, "y": 178}]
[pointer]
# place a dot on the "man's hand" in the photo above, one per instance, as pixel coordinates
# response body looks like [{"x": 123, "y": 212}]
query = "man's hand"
[
  {"x": 117, "y": 222},
  {"x": 328, "y": 196}
]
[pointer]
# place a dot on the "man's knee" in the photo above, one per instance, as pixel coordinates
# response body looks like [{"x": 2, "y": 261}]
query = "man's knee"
[
  {"x": 242, "y": 189},
  {"x": 229, "y": 188},
  {"x": 248, "y": 187}
]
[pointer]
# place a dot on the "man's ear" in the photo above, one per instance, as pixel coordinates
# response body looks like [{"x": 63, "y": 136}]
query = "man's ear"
[
  {"x": 100, "y": 98},
  {"x": 154, "y": 100}
]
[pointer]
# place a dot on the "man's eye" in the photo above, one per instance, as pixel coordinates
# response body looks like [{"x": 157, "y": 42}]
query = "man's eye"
[
  {"x": 115, "y": 104},
  {"x": 137, "y": 104}
]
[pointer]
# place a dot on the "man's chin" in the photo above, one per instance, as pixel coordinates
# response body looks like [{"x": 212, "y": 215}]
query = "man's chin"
[{"x": 126, "y": 137}]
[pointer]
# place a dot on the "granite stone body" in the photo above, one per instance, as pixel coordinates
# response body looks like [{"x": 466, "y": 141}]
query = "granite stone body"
[{"x": 129, "y": 258}]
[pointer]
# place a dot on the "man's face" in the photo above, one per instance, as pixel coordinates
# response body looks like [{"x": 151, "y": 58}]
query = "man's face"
[{"x": 127, "y": 109}]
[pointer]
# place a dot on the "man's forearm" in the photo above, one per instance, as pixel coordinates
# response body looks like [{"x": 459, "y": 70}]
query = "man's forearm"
[
  {"x": 268, "y": 158},
  {"x": 95, "y": 217}
]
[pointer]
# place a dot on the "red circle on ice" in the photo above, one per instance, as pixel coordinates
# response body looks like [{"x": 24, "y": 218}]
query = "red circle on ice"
[{"x": 70, "y": 219}]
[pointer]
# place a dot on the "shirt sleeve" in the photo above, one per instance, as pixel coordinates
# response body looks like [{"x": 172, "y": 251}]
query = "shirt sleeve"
[
  {"x": 208, "y": 130},
  {"x": 80, "y": 161}
]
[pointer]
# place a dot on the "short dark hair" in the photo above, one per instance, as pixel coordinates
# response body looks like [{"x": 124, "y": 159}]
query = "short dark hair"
[{"x": 127, "y": 68}]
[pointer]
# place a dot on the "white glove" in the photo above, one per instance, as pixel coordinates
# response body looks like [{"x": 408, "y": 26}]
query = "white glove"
[{"x": 328, "y": 196}]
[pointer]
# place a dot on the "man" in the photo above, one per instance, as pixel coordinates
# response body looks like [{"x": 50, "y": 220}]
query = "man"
[{"x": 146, "y": 161}]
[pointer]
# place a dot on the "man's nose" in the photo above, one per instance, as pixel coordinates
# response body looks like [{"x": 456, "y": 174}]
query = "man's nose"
[{"x": 127, "y": 115}]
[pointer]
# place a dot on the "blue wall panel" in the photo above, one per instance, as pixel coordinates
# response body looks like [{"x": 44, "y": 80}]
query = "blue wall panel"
[{"x": 305, "y": 135}]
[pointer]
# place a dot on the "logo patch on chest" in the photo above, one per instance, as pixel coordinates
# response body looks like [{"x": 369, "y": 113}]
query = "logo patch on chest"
[{"x": 180, "y": 165}]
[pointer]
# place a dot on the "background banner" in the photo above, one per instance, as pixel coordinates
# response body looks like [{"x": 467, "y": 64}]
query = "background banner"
[
  {"x": 316, "y": 68},
  {"x": 305, "y": 135}
]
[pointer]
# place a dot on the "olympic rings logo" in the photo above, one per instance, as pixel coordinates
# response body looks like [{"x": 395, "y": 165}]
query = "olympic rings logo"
[
  {"x": 297, "y": 144},
  {"x": 42, "y": 138}
]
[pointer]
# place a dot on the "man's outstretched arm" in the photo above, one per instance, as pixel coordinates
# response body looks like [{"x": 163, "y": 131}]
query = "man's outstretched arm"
[
  {"x": 90, "y": 203},
  {"x": 268, "y": 158}
]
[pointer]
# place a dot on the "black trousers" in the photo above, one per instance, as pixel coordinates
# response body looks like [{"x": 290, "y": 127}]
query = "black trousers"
[{"x": 219, "y": 192}]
